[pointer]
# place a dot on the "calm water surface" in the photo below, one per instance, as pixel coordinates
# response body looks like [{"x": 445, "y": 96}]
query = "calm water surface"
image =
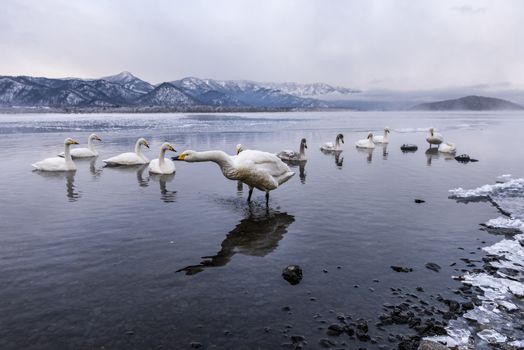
[{"x": 90, "y": 259}]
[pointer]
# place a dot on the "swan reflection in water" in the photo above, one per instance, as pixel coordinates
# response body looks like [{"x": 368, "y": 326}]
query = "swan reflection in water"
[
  {"x": 71, "y": 191},
  {"x": 385, "y": 152},
  {"x": 433, "y": 153},
  {"x": 143, "y": 179},
  {"x": 368, "y": 152},
  {"x": 339, "y": 159},
  {"x": 257, "y": 235},
  {"x": 96, "y": 172},
  {"x": 165, "y": 194}
]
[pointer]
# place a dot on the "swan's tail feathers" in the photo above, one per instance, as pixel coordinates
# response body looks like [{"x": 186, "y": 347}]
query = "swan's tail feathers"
[
  {"x": 36, "y": 166},
  {"x": 285, "y": 177}
]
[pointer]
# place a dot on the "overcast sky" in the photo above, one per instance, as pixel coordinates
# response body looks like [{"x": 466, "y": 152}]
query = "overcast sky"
[{"x": 361, "y": 44}]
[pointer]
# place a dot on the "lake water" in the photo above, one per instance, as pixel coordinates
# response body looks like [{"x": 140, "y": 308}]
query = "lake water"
[{"x": 89, "y": 259}]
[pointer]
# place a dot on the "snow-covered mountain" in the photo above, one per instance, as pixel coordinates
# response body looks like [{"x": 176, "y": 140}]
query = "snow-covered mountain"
[
  {"x": 130, "y": 82},
  {"x": 126, "y": 90}
]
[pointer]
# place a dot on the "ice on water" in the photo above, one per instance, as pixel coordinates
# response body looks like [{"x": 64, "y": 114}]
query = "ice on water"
[{"x": 493, "y": 322}]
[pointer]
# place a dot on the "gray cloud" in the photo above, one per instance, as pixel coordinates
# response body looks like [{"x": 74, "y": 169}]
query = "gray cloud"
[{"x": 363, "y": 44}]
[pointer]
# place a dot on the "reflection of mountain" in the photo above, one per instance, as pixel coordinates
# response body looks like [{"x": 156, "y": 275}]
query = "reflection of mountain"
[
  {"x": 256, "y": 235},
  {"x": 69, "y": 177}
]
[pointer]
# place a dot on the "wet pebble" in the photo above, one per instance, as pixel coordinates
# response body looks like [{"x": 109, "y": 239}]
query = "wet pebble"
[
  {"x": 292, "y": 274},
  {"x": 432, "y": 266}
]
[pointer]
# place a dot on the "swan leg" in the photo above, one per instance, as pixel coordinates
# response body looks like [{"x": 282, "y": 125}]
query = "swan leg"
[
  {"x": 250, "y": 193},
  {"x": 267, "y": 199}
]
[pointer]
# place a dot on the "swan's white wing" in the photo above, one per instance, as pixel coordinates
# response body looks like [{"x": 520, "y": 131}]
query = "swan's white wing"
[
  {"x": 328, "y": 145},
  {"x": 287, "y": 154},
  {"x": 129, "y": 158},
  {"x": 262, "y": 168},
  {"x": 378, "y": 139},
  {"x": 51, "y": 164},
  {"x": 168, "y": 168},
  {"x": 82, "y": 153}
]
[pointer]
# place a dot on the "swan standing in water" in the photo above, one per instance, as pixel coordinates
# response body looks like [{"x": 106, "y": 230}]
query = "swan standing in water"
[
  {"x": 447, "y": 147},
  {"x": 257, "y": 169},
  {"x": 130, "y": 158},
  {"x": 162, "y": 165},
  {"x": 382, "y": 139},
  {"x": 88, "y": 152},
  {"x": 366, "y": 143},
  {"x": 292, "y": 156},
  {"x": 434, "y": 138},
  {"x": 58, "y": 163},
  {"x": 330, "y": 147}
]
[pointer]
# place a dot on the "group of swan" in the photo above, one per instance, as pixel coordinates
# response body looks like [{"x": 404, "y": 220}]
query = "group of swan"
[
  {"x": 261, "y": 170},
  {"x": 434, "y": 138},
  {"x": 64, "y": 161}
]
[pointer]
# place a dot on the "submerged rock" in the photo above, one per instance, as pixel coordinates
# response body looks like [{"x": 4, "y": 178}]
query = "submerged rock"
[
  {"x": 433, "y": 266},
  {"x": 408, "y": 147},
  {"x": 418, "y": 201},
  {"x": 401, "y": 268},
  {"x": 465, "y": 158},
  {"x": 292, "y": 274}
]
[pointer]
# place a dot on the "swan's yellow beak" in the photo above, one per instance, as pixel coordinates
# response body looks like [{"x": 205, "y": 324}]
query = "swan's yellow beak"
[{"x": 181, "y": 157}]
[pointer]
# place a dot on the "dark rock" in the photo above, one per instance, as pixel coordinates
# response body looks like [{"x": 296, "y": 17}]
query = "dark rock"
[
  {"x": 267, "y": 329},
  {"x": 467, "y": 306},
  {"x": 420, "y": 289},
  {"x": 130, "y": 333},
  {"x": 195, "y": 345},
  {"x": 362, "y": 336},
  {"x": 362, "y": 325},
  {"x": 432, "y": 266},
  {"x": 286, "y": 308},
  {"x": 420, "y": 201},
  {"x": 335, "y": 329},
  {"x": 292, "y": 274},
  {"x": 408, "y": 147},
  {"x": 401, "y": 268}
]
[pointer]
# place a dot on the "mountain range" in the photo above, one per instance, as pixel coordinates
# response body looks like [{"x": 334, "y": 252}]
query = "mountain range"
[
  {"x": 127, "y": 92},
  {"x": 469, "y": 103}
]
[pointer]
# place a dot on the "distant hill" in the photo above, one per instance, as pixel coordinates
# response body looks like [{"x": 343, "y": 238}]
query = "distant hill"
[
  {"x": 469, "y": 103},
  {"x": 126, "y": 92}
]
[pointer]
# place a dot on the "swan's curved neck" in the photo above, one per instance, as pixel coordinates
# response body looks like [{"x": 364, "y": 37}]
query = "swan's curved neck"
[
  {"x": 67, "y": 154},
  {"x": 138, "y": 150},
  {"x": 161, "y": 157},
  {"x": 302, "y": 153},
  {"x": 90, "y": 144},
  {"x": 385, "y": 134},
  {"x": 337, "y": 142},
  {"x": 221, "y": 158}
]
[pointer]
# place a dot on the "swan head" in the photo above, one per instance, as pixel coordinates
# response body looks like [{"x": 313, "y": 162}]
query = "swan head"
[
  {"x": 142, "y": 141},
  {"x": 94, "y": 137},
  {"x": 340, "y": 137},
  {"x": 431, "y": 130},
  {"x": 69, "y": 141},
  {"x": 386, "y": 130},
  {"x": 166, "y": 146},
  {"x": 303, "y": 143},
  {"x": 188, "y": 156},
  {"x": 239, "y": 148},
  {"x": 370, "y": 136}
]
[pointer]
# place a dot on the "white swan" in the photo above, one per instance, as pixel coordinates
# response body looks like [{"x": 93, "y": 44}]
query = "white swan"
[
  {"x": 130, "y": 158},
  {"x": 330, "y": 147},
  {"x": 447, "y": 147},
  {"x": 292, "y": 156},
  {"x": 88, "y": 152},
  {"x": 434, "y": 138},
  {"x": 366, "y": 143},
  {"x": 261, "y": 170},
  {"x": 382, "y": 139},
  {"x": 58, "y": 163},
  {"x": 162, "y": 165}
]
